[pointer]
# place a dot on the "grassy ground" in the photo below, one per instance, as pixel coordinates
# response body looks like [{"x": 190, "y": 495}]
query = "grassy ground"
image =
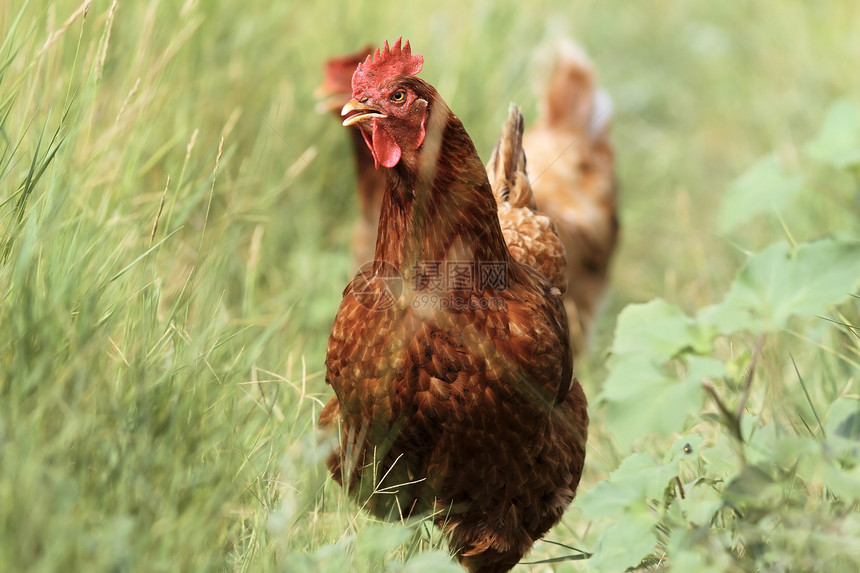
[{"x": 174, "y": 226}]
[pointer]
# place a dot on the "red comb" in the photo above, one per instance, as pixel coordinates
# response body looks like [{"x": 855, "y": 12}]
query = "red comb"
[{"x": 385, "y": 64}]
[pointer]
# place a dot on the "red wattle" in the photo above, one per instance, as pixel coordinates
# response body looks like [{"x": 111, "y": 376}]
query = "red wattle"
[{"x": 385, "y": 149}]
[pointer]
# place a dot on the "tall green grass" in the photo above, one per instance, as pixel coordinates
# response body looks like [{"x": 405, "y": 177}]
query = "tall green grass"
[{"x": 174, "y": 228}]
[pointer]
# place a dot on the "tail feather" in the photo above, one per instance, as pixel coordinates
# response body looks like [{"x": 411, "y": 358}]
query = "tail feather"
[
  {"x": 507, "y": 167},
  {"x": 532, "y": 237},
  {"x": 572, "y": 98}
]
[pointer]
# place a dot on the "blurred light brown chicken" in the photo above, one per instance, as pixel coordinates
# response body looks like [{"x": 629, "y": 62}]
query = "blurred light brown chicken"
[
  {"x": 573, "y": 180},
  {"x": 334, "y": 92}
]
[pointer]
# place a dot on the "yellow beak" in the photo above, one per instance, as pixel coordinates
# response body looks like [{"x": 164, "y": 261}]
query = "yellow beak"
[{"x": 357, "y": 111}]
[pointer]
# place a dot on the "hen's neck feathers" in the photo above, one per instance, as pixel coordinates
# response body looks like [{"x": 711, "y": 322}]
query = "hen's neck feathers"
[{"x": 442, "y": 208}]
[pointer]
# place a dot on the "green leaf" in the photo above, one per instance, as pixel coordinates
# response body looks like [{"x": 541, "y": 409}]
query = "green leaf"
[
  {"x": 838, "y": 141},
  {"x": 750, "y": 487},
  {"x": 694, "y": 550},
  {"x": 786, "y": 450},
  {"x": 778, "y": 283},
  {"x": 765, "y": 187},
  {"x": 630, "y": 377},
  {"x": 721, "y": 458},
  {"x": 433, "y": 560},
  {"x": 332, "y": 557},
  {"x": 624, "y": 486},
  {"x": 657, "y": 329},
  {"x": 660, "y": 405},
  {"x": 606, "y": 499},
  {"x": 685, "y": 448},
  {"x": 638, "y": 392},
  {"x": 375, "y": 542},
  {"x": 845, "y": 483},
  {"x": 637, "y": 395},
  {"x": 700, "y": 503},
  {"x": 839, "y": 475},
  {"x": 843, "y": 419},
  {"x": 627, "y": 541},
  {"x": 842, "y": 427},
  {"x": 638, "y": 478}
]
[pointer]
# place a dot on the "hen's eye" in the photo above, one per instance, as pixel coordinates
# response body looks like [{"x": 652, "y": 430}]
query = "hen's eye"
[{"x": 398, "y": 96}]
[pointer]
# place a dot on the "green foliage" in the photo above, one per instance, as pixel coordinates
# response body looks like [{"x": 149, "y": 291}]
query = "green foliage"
[
  {"x": 750, "y": 477},
  {"x": 375, "y": 548},
  {"x": 838, "y": 141},
  {"x": 766, "y": 187},
  {"x": 779, "y": 283},
  {"x": 773, "y": 184}
]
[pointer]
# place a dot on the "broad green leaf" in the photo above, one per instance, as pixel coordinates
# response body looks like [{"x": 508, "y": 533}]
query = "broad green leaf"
[
  {"x": 699, "y": 504},
  {"x": 701, "y": 561},
  {"x": 844, "y": 482},
  {"x": 765, "y": 187},
  {"x": 624, "y": 486},
  {"x": 607, "y": 499},
  {"x": 838, "y": 141},
  {"x": 786, "y": 450},
  {"x": 627, "y": 541},
  {"x": 655, "y": 410},
  {"x": 375, "y": 542},
  {"x": 630, "y": 376},
  {"x": 638, "y": 478},
  {"x": 633, "y": 466},
  {"x": 761, "y": 440},
  {"x": 843, "y": 419},
  {"x": 842, "y": 427},
  {"x": 752, "y": 486},
  {"x": 839, "y": 475},
  {"x": 638, "y": 395},
  {"x": 693, "y": 550},
  {"x": 721, "y": 458},
  {"x": 774, "y": 445},
  {"x": 433, "y": 560},
  {"x": 700, "y": 368},
  {"x": 648, "y": 474},
  {"x": 685, "y": 448},
  {"x": 332, "y": 557},
  {"x": 657, "y": 329},
  {"x": 779, "y": 283}
]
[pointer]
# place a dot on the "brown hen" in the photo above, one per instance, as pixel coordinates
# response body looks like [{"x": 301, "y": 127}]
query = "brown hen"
[
  {"x": 451, "y": 361},
  {"x": 572, "y": 176}
]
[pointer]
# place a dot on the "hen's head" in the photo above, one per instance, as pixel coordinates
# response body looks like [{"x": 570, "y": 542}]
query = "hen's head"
[{"x": 389, "y": 104}]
